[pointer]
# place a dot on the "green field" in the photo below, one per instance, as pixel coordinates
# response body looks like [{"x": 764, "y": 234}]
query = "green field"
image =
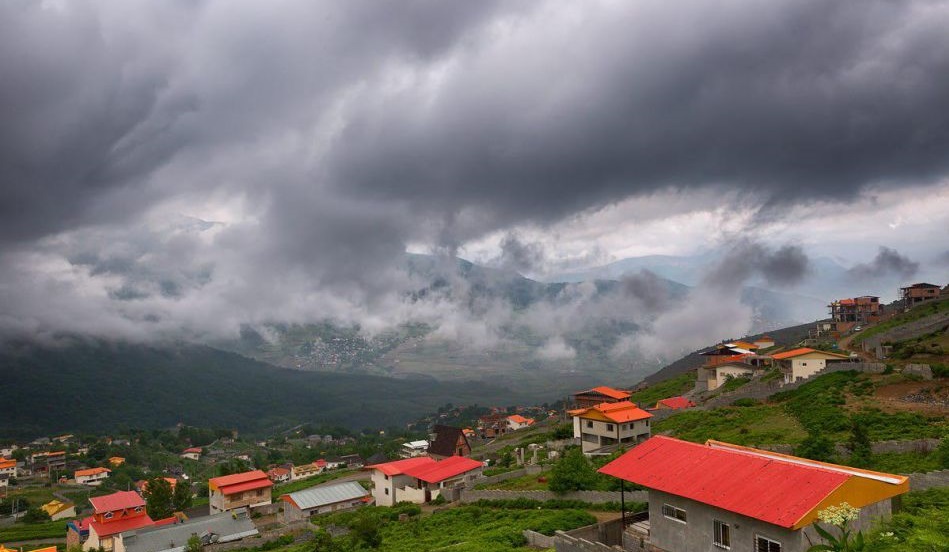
[
  {"x": 22, "y": 531},
  {"x": 672, "y": 387},
  {"x": 752, "y": 425}
]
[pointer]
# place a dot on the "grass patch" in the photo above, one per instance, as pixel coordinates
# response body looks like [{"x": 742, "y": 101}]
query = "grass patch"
[
  {"x": 672, "y": 387},
  {"x": 21, "y": 531},
  {"x": 905, "y": 462},
  {"x": 922, "y": 526},
  {"x": 883, "y": 426},
  {"x": 732, "y": 384},
  {"x": 523, "y": 483},
  {"x": 817, "y": 404},
  {"x": 749, "y": 425},
  {"x": 294, "y": 486}
]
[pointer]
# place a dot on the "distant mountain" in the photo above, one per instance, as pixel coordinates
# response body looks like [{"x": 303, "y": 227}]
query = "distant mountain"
[
  {"x": 686, "y": 270},
  {"x": 96, "y": 386}
]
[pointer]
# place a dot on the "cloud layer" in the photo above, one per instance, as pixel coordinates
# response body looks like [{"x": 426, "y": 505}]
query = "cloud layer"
[{"x": 329, "y": 137}]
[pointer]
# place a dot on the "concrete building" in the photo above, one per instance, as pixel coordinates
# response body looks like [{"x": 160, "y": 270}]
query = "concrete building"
[
  {"x": 857, "y": 310},
  {"x": 414, "y": 449},
  {"x": 114, "y": 516},
  {"x": 240, "y": 490},
  {"x": 216, "y": 529},
  {"x": 422, "y": 479},
  {"x": 517, "y": 422},
  {"x": 804, "y": 362},
  {"x": 305, "y": 471},
  {"x": 716, "y": 375},
  {"x": 92, "y": 476},
  {"x": 918, "y": 293},
  {"x": 764, "y": 342},
  {"x": 193, "y": 453},
  {"x": 8, "y": 467},
  {"x": 278, "y": 474},
  {"x": 325, "y": 499},
  {"x": 721, "y": 496},
  {"x": 58, "y": 510},
  {"x": 599, "y": 395},
  {"x": 608, "y": 424}
]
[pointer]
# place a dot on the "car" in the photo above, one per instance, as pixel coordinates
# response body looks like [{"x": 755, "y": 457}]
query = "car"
[{"x": 858, "y": 328}]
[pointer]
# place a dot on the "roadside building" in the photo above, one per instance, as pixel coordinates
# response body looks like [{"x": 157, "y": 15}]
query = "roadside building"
[
  {"x": 413, "y": 449},
  {"x": 306, "y": 471},
  {"x": 422, "y": 479},
  {"x": 609, "y": 424},
  {"x": 599, "y": 395},
  {"x": 723, "y": 496},
  {"x": 802, "y": 363},
  {"x": 325, "y": 499},
  {"x": 92, "y": 477},
  {"x": 217, "y": 529},
  {"x": 239, "y": 490}
]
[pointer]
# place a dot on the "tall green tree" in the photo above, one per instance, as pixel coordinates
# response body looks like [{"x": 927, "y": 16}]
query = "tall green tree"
[
  {"x": 182, "y": 498},
  {"x": 859, "y": 445},
  {"x": 573, "y": 472},
  {"x": 816, "y": 447},
  {"x": 158, "y": 498}
]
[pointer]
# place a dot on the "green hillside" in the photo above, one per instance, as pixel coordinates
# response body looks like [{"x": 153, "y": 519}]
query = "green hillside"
[{"x": 94, "y": 386}]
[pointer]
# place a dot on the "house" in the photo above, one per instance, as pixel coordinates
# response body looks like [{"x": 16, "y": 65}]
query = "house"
[
  {"x": 804, "y": 362},
  {"x": 517, "y": 422},
  {"x": 239, "y": 490},
  {"x": 729, "y": 350},
  {"x": 717, "y": 374},
  {"x": 492, "y": 426},
  {"x": 278, "y": 475},
  {"x": 353, "y": 460},
  {"x": 764, "y": 342},
  {"x": 325, "y": 499},
  {"x": 718, "y": 495},
  {"x": 8, "y": 467},
  {"x": 420, "y": 479},
  {"x": 413, "y": 449},
  {"x": 918, "y": 293},
  {"x": 92, "y": 476},
  {"x": 116, "y": 461},
  {"x": 113, "y": 517},
  {"x": 305, "y": 471},
  {"x": 599, "y": 395},
  {"x": 847, "y": 313},
  {"x": 608, "y": 424},
  {"x": 674, "y": 403},
  {"x": 193, "y": 453},
  {"x": 43, "y": 462},
  {"x": 220, "y": 528},
  {"x": 142, "y": 485},
  {"x": 448, "y": 441},
  {"x": 4, "y": 481},
  {"x": 58, "y": 510}
]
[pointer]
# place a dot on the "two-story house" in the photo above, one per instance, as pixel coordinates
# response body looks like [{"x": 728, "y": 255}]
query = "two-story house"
[
  {"x": 239, "y": 490},
  {"x": 722, "y": 496},
  {"x": 610, "y": 423},
  {"x": 92, "y": 476},
  {"x": 422, "y": 479},
  {"x": 113, "y": 516},
  {"x": 8, "y": 467},
  {"x": 413, "y": 449},
  {"x": 516, "y": 422}
]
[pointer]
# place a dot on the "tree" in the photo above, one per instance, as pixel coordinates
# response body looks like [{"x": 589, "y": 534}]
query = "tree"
[
  {"x": 36, "y": 515},
  {"x": 572, "y": 473},
  {"x": 942, "y": 452},
  {"x": 816, "y": 447},
  {"x": 366, "y": 530},
  {"x": 859, "y": 445},
  {"x": 181, "y": 498},
  {"x": 158, "y": 498}
]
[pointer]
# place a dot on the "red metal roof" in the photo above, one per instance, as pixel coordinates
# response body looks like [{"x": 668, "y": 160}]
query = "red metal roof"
[
  {"x": 399, "y": 467},
  {"x": 121, "y": 526},
  {"x": 236, "y": 478},
  {"x": 116, "y": 501},
  {"x": 247, "y": 486},
  {"x": 445, "y": 469},
  {"x": 676, "y": 403},
  {"x": 757, "y": 486}
]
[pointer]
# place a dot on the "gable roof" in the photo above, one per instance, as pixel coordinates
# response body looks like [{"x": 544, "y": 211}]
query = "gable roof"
[
  {"x": 121, "y": 525},
  {"x": 446, "y": 440},
  {"x": 116, "y": 501},
  {"x": 175, "y": 537},
  {"x": 398, "y": 467},
  {"x": 55, "y": 506},
  {"x": 619, "y": 412},
  {"x": 240, "y": 482},
  {"x": 608, "y": 392},
  {"x": 518, "y": 419},
  {"x": 675, "y": 403},
  {"x": 315, "y": 497},
  {"x": 803, "y": 351},
  {"x": 782, "y": 490},
  {"x": 436, "y": 472},
  {"x": 91, "y": 471}
]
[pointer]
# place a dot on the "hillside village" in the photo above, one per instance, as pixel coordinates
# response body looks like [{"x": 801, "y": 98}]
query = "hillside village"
[{"x": 854, "y": 415}]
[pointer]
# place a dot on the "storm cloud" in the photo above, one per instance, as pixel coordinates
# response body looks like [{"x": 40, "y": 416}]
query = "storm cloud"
[
  {"x": 888, "y": 262},
  {"x": 331, "y": 137}
]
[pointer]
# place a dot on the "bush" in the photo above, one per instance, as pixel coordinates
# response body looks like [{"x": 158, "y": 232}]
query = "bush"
[
  {"x": 747, "y": 401},
  {"x": 573, "y": 472}
]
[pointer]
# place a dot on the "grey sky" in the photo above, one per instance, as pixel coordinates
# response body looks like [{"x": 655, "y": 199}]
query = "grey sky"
[{"x": 327, "y": 138}]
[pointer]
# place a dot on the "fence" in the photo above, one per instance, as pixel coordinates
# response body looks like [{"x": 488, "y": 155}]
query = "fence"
[{"x": 593, "y": 497}]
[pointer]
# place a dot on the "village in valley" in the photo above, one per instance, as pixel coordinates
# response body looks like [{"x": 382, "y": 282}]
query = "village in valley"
[{"x": 747, "y": 449}]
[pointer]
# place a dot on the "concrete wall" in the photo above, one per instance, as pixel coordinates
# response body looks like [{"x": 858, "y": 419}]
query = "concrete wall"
[
  {"x": 923, "y": 481},
  {"x": 538, "y": 540},
  {"x": 514, "y": 474}
]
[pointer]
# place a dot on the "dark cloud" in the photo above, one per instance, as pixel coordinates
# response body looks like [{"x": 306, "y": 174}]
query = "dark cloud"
[
  {"x": 888, "y": 262},
  {"x": 785, "y": 266},
  {"x": 520, "y": 256},
  {"x": 651, "y": 290}
]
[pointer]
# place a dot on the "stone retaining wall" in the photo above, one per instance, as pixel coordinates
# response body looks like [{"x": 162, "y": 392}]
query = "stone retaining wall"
[
  {"x": 909, "y": 330},
  {"x": 923, "y": 481},
  {"x": 593, "y": 497},
  {"x": 514, "y": 474}
]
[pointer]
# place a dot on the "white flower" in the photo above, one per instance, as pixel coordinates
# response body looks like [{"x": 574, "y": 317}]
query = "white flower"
[{"x": 838, "y": 515}]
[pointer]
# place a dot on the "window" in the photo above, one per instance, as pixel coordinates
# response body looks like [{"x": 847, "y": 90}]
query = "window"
[
  {"x": 108, "y": 515},
  {"x": 609, "y": 427},
  {"x": 138, "y": 509},
  {"x": 722, "y": 536},
  {"x": 387, "y": 491},
  {"x": 589, "y": 424},
  {"x": 764, "y": 544},
  {"x": 672, "y": 512}
]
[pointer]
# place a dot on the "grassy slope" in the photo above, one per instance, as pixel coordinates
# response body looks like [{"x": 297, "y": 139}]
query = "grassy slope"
[
  {"x": 921, "y": 311},
  {"x": 662, "y": 390}
]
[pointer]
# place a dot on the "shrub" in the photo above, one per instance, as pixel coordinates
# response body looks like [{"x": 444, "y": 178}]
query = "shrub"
[{"x": 745, "y": 402}]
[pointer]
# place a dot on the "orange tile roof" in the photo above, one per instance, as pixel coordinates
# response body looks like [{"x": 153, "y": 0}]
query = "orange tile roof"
[
  {"x": 91, "y": 471},
  {"x": 518, "y": 419},
  {"x": 744, "y": 345},
  {"x": 619, "y": 412},
  {"x": 5, "y": 464},
  {"x": 610, "y": 392}
]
